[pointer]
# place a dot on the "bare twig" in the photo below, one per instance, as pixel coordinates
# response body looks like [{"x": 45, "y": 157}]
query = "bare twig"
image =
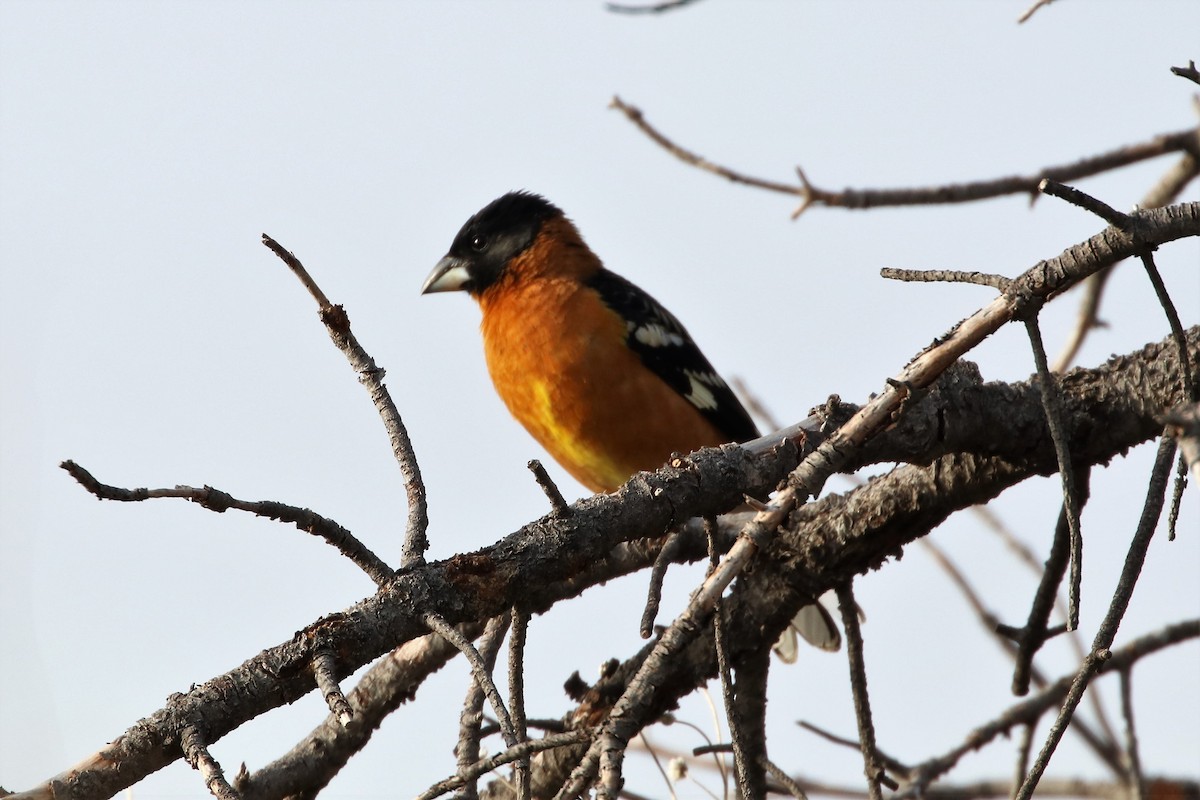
[
  {"x": 337, "y": 323},
  {"x": 523, "y": 750},
  {"x": 1190, "y": 72},
  {"x": 1116, "y": 611},
  {"x": 1029, "y": 12},
  {"x": 653, "y": 8},
  {"x": 657, "y": 574},
  {"x": 737, "y": 733},
  {"x": 1085, "y": 201},
  {"x": 890, "y": 763},
  {"x": 558, "y": 505},
  {"x": 325, "y": 672},
  {"x": 1137, "y": 782},
  {"x": 219, "y": 501},
  {"x": 793, "y": 788},
  {"x": 652, "y": 751},
  {"x": 479, "y": 669},
  {"x": 1024, "y": 748},
  {"x": 195, "y": 752},
  {"x": 1035, "y": 632},
  {"x": 858, "y": 685},
  {"x": 516, "y": 695},
  {"x": 1184, "y": 140},
  {"x": 470, "y": 731},
  {"x": 945, "y": 276},
  {"x": 634, "y": 115},
  {"x": 1050, "y": 403}
]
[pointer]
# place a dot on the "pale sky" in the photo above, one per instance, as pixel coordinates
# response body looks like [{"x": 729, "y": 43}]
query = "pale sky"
[{"x": 149, "y": 336}]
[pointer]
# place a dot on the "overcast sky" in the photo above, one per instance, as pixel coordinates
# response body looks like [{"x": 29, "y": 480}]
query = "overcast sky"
[{"x": 148, "y": 335}]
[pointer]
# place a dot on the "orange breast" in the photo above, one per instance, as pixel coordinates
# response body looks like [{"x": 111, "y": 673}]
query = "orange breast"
[{"x": 558, "y": 360}]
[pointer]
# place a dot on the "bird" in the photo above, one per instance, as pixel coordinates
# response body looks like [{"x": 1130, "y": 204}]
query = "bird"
[
  {"x": 607, "y": 380},
  {"x": 601, "y": 374}
]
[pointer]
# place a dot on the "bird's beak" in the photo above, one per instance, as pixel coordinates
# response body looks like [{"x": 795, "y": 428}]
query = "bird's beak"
[{"x": 449, "y": 275}]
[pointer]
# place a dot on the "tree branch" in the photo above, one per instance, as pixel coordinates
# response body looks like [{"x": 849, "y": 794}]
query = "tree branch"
[{"x": 538, "y": 565}]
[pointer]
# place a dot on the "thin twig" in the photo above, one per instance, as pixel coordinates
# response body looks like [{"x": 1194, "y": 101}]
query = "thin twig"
[
  {"x": 654, "y": 8},
  {"x": 219, "y": 501},
  {"x": 1036, "y": 630},
  {"x": 195, "y": 752},
  {"x": 1024, "y": 748},
  {"x": 953, "y": 193},
  {"x": 634, "y": 115},
  {"x": 998, "y": 282},
  {"x": 653, "y": 753},
  {"x": 1085, "y": 201},
  {"x": 1048, "y": 385},
  {"x": 480, "y": 670},
  {"x": 324, "y": 668},
  {"x": 1029, "y": 12},
  {"x": 721, "y": 765},
  {"x": 737, "y": 734},
  {"x": 470, "y": 719},
  {"x": 890, "y": 763},
  {"x": 558, "y": 504},
  {"x": 1133, "y": 762},
  {"x": 793, "y": 788},
  {"x": 337, "y": 324},
  {"x": 516, "y": 695},
  {"x": 1116, "y": 611},
  {"x": 858, "y": 685},
  {"x": 1190, "y": 72},
  {"x": 657, "y": 574},
  {"x": 523, "y": 750}
]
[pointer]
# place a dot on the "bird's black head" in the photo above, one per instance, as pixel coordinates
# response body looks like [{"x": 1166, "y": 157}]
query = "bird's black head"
[{"x": 500, "y": 231}]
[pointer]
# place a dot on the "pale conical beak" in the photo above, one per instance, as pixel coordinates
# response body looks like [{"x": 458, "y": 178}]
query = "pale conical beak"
[{"x": 449, "y": 275}]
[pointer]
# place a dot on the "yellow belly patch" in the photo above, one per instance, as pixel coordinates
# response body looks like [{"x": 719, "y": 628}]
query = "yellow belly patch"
[{"x": 565, "y": 444}]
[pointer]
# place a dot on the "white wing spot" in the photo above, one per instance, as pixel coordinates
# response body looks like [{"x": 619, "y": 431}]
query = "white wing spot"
[
  {"x": 700, "y": 395},
  {"x": 656, "y": 336}
]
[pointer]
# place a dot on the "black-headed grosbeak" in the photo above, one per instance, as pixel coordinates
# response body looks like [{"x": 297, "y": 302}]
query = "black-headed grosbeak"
[{"x": 608, "y": 381}]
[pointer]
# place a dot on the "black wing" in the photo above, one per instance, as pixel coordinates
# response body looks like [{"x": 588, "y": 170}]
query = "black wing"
[{"x": 665, "y": 347}]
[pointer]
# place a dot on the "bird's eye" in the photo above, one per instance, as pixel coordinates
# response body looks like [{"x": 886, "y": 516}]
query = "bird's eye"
[{"x": 478, "y": 243}]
